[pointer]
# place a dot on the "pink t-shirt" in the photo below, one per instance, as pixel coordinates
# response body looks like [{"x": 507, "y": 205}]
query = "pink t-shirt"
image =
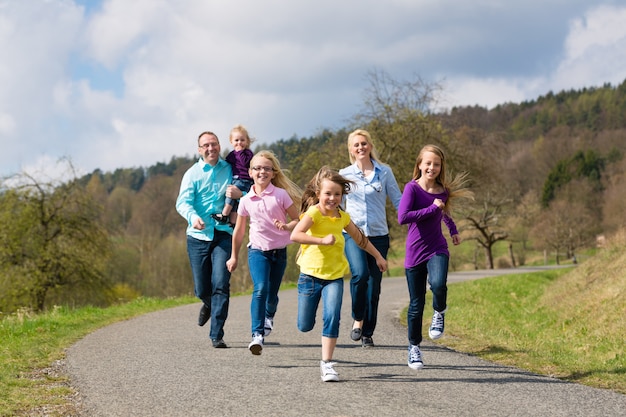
[{"x": 262, "y": 210}]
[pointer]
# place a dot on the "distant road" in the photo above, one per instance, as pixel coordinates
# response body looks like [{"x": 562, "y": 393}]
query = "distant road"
[{"x": 162, "y": 364}]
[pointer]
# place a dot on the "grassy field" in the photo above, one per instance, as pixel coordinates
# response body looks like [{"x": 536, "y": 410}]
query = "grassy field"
[{"x": 568, "y": 323}]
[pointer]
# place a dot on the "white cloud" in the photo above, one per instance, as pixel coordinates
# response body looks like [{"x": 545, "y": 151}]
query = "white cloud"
[
  {"x": 279, "y": 67},
  {"x": 595, "y": 49}
]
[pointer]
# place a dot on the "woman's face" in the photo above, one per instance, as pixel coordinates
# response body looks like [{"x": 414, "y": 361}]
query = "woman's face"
[{"x": 360, "y": 148}]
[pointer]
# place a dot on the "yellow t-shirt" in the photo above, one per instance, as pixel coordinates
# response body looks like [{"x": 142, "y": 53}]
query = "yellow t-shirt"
[{"x": 324, "y": 261}]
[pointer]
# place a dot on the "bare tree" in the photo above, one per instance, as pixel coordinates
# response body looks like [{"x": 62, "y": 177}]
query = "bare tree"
[{"x": 52, "y": 239}]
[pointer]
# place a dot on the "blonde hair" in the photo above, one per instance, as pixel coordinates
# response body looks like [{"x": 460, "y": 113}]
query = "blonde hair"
[
  {"x": 241, "y": 129},
  {"x": 368, "y": 138},
  {"x": 455, "y": 188},
  {"x": 279, "y": 179},
  {"x": 310, "y": 197}
]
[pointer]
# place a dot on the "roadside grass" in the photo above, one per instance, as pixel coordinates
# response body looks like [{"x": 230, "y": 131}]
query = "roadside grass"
[
  {"x": 31, "y": 345},
  {"x": 567, "y": 323}
]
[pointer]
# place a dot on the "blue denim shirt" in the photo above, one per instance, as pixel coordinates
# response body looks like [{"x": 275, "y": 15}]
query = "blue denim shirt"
[
  {"x": 366, "y": 203},
  {"x": 202, "y": 193}
]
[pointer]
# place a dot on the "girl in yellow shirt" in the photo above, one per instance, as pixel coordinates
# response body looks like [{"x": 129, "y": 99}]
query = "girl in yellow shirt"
[{"x": 322, "y": 260}]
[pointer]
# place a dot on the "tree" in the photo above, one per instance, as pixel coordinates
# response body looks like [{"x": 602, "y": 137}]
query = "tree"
[{"x": 51, "y": 238}]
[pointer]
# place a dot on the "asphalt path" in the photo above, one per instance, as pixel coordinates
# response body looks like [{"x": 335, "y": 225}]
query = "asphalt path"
[{"x": 163, "y": 364}]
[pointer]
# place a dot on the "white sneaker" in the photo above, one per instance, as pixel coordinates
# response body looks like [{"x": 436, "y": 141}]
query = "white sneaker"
[
  {"x": 268, "y": 326},
  {"x": 256, "y": 346},
  {"x": 436, "y": 326},
  {"x": 415, "y": 357},
  {"x": 328, "y": 372}
]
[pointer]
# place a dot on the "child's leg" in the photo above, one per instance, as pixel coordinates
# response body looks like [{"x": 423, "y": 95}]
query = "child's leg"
[
  {"x": 332, "y": 294},
  {"x": 328, "y": 348},
  {"x": 309, "y": 292}
]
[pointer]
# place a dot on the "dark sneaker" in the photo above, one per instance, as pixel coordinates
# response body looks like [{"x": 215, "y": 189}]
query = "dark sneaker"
[
  {"x": 268, "y": 326},
  {"x": 219, "y": 344},
  {"x": 328, "y": 372},
  {"x": 205, "y": 315},
  {"x": 220, "y": 218},
  {"x": 415, "y": 357},
  {"x": 367, "y": 342},
  {"x": 256, "y": 346},
  {"x": 437, "y": 325}
]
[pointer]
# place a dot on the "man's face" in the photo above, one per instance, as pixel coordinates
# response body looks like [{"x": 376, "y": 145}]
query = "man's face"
[{"x": 209, "y": 148}]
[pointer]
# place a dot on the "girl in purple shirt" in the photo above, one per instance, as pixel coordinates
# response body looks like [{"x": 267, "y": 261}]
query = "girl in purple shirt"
[{"x": 425, "y": 203}]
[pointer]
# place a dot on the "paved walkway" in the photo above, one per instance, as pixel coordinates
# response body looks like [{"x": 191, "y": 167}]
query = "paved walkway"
[{"x": 162, "y": 364}]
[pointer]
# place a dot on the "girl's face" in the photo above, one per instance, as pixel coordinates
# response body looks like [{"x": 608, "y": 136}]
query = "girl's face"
[
  {"x": 239, "y": 141},
  {"x": 261, "y": 171},
  {"x": 430, "y": 167},
  {"x": 330, "y": 194},
  {"x": 360, "y": 148}
]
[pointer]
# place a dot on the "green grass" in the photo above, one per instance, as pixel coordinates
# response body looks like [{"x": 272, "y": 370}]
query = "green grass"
[
  {"x": 31, "y": 344},
  {"x": 541, "y": 323}
]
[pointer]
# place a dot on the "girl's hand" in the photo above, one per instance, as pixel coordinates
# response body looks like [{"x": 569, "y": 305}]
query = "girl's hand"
[
  {"x": 328, "y": 240},
  {"x": 231, "y": 264},
  {"x": 280, "y": 225},
  {"x": 439, "y": 203},
  {"x": 456, "y": 239}
]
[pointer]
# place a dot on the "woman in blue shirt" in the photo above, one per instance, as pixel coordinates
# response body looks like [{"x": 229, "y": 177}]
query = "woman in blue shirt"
[{"x": 366, "y": 204}]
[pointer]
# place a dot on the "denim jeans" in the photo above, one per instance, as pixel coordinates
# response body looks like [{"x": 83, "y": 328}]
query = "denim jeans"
[
  {"x": 243, "y": 185},
  {"x": 436, "y": 270},
  {"x": 365, "y": 281},
  {"x": 310, "y": 290},
  {"x": 266, "y": 269},
  {"x": 211, "y": 277}
]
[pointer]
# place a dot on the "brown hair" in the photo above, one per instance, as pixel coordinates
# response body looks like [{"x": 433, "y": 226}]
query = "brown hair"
[{"x": 310, "y": 197}]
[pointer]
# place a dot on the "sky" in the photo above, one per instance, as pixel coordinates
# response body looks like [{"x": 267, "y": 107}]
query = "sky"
[{"x": 109, "y": 84}]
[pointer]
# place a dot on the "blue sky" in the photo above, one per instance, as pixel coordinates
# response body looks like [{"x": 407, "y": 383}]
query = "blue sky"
[{"x": 115, "y": 84}]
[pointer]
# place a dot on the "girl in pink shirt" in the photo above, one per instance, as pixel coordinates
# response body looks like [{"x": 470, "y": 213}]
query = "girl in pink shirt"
[{"x": 271, "y": 206}]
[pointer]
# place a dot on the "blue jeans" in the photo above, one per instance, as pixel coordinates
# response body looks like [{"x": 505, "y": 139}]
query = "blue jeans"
[
  {"x": 310, "y": 290},
  {"x": 436, "y": 270},
  {"x": 365, "y": 281},
  {"x": 266, "y": 269},
  {"x": 211, "y": 277},
  {"x": 243, "y": 185}
]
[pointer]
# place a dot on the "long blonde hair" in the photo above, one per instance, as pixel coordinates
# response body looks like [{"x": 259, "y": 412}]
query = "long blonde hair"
[
  {"x": 457, "y": 188},
  {"x": 312, "y": 189},
  {"x": 279, "y": 179}
]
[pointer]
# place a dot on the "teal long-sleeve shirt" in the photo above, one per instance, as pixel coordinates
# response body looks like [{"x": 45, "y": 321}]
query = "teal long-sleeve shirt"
[{"x": 202, "y": 193}]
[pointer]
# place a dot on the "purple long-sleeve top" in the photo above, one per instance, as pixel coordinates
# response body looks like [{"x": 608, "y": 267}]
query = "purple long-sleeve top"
[
  {"x": 425, "y": 238},
  {"x": 240, "y": 161}
]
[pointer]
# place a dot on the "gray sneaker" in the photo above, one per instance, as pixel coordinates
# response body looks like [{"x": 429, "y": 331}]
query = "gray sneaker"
[
  {"x": 268, "y": 326},
  {"x": 415, "y": 357},
  {"x": 437, "y": 325}
]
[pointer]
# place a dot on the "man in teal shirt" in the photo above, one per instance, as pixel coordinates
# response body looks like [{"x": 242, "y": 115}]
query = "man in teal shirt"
[{"x": 203, "y": 190}]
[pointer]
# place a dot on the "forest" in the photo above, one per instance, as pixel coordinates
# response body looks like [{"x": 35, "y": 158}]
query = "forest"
[{"x": 547, "y": 174}]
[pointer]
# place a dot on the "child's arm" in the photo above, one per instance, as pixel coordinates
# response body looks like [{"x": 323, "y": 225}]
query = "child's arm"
[
  {"x": 366, "y": 245},
  {"x": 449, "y": 222},
  {"x": 292, "y": 212},
  {"x": 299, "y": 234},
  {"x": 238, "y": 234}
]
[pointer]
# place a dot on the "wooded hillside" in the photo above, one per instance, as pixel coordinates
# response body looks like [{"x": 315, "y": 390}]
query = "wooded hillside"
[{"x": 547, "y": 174}]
